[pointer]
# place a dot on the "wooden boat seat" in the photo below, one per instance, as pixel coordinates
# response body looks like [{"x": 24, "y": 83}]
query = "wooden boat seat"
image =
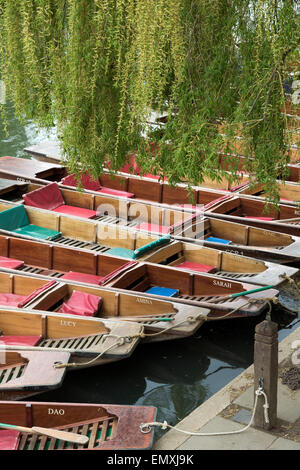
[
  {"x": 81, "y": 303},
  {"x": 94, "y": 185},
  {"x": 167, "y": 292},
  {"x": 10, "y": 263},
  {"x": 83, "y": 277},
  {"x": 201, "y": 268},
  {"x": 218, "y": 240},
  {"x": 9, "y": 440},
  {"x": 161, "y": 229},
  {"x": 15, "y": 220},
  {"x": 50, "y": 198},
  {"x": 20, "y": 340},
  {"x": 19, "y": 301}
]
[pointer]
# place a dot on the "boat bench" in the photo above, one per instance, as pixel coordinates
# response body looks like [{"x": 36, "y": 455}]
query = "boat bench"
[
  {"x": 19, "y": 301},
  {"x": 134, "y": 254},
  {"x": 10, "y": 263},
  {"x": 93, "y": 278},
  {"x": 16, "y": 220},
  {"x": 81, "y": 303},
  {"x": 201, "y": 268},
  {"x": 94, "y": 185},
  {"x": 50, "y": 198},
  {"x": 19, "y": 340}
]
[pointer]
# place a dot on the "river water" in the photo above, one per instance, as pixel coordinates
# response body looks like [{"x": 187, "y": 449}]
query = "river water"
[{"x": 177, "y": 376}]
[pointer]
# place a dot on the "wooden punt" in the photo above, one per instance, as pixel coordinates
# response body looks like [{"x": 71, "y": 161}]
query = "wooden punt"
[
  {"x": 55, "y": 262},
  {"x": 27, "y": 373},
  {"x": 107, "y": 311},
  {"x": 59, "y": 229},
  {"x": 109, "y": 427},
  {"x": 225, "y": 265},
  {"x": 206, "y": 291},
  {"x": 257, "y": 213},
  {"x": 141, "y": 188},
  {"x": 216, "y": 232},
  {"x": 90, "y": 341},
  {"x": 130, "y": 213},
  {"x": 289, "y": 192}
]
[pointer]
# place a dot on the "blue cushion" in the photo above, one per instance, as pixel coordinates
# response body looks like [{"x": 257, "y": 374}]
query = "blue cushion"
[
  {"x": 218, "y": 240},
  {"x": 163, "y": 291}
]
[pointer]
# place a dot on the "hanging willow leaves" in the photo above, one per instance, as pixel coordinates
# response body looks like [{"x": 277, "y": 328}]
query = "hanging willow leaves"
[{"x": 96, "y": 69}]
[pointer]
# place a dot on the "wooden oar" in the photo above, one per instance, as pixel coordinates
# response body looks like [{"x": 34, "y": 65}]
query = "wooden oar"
[
  {"x": 55, "y": 433},
  {"x": 240, "y": 294}
]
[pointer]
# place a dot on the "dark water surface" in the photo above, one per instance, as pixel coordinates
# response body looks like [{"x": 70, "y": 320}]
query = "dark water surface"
[{"x": 175, "y": 376}]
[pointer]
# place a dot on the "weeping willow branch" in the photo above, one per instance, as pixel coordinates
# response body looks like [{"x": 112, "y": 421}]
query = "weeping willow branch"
[{"x": 98, "y": 68}]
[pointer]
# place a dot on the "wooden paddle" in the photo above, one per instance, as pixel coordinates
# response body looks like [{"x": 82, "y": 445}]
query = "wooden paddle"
[{"x": 55, "y": 433}]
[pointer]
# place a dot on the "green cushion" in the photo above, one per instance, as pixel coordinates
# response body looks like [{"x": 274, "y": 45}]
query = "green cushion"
[
  {"x": 37, "y": 232},
  {"x": 121, "y": 252},
  {"x": 13, "y": 218}
]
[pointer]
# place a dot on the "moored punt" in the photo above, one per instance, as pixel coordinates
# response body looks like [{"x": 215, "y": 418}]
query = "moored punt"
[
  {"x": 257, "y": 213},
  {"x": 57, "y": 262},
  {"x": 128, "y": 213},
  {"x": 90, "y": 341},
  {"x": 216, "y": 232},
  {"x": 192, "y": 288},
  {"x": 48, "y": 226},
  {"x": 122, "y": 185},
  {"x": 97, "y": 310},
  {"x": 289, "y": 192},
  {"x": 108, "y": 427},
  {"x": 192, "y": 257},
  {"x": 27, "y": 373}
]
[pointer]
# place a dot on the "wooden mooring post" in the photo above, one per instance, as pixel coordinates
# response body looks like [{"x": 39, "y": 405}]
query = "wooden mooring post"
[{"x": 266, "y": 372}]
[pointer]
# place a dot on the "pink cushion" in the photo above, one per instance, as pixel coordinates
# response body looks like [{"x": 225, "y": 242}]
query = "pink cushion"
[
  {"x": 82, "y": 277},
  {"x": 76, "y": 211},
  {"x": 81, "y": 303},
  {"x": 35, "y": 293},
  {"x": 20, "y": 340},
  {"x": 86, "y": 180},
  {"x": 115, "y": 192},
  {"x": 153, "y": 228},
  {"x": 259, "y": 218},
  {"x": 48, "y": 197},
  {"x": 9, "y": 440},
  {"x": 10, "y": 263},
  {"x": 12, "y": 300},
  {"x": 201, "y": 268}
]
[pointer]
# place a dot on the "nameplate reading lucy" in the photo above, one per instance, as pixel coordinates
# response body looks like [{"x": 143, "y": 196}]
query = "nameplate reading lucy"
[{"x": 67, "y": 323}]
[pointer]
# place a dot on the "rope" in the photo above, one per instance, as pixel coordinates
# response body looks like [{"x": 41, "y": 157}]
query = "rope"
[
  {"x": 291, "y": 281},
  {"x": 129, "y": 338},
  {"x": 146, "y": 427}
]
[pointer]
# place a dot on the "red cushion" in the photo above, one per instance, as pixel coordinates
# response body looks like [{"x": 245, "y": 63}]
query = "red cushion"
[
  {"x": 20, "y": 340},
  {"x": 86, "y": 180},
  {"x": 76, "y": 211},
  {"x": 153, "y": 228},
  {"x": 82, "y": 277},
  {"x": 81, "y": 303},
  {"x": 259, "y": 218},
  {"x": 11, "y": 300},
  {"x": 115, "y": 192},
  {"x": 35, "y": 293},
  {"x": 117, "y": 271},
  {"x": 48, "y": 197},
  {"x": 10, "y": 263},
  {"x": 201, "y": 268},
  {"x": 9, "y": 440}
]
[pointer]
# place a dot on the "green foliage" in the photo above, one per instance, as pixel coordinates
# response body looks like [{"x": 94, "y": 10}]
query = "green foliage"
[{"x": 96, "y": 68}]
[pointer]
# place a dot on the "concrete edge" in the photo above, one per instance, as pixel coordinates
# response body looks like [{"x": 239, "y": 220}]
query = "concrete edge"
[{"x": 220, "y": 400}]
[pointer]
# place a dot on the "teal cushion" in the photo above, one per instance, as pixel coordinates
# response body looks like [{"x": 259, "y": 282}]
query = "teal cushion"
[
  {"x": 37, "y": 232},
  {"x": 13, "y": 218},
  {"x": 121, "y": 252}
]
